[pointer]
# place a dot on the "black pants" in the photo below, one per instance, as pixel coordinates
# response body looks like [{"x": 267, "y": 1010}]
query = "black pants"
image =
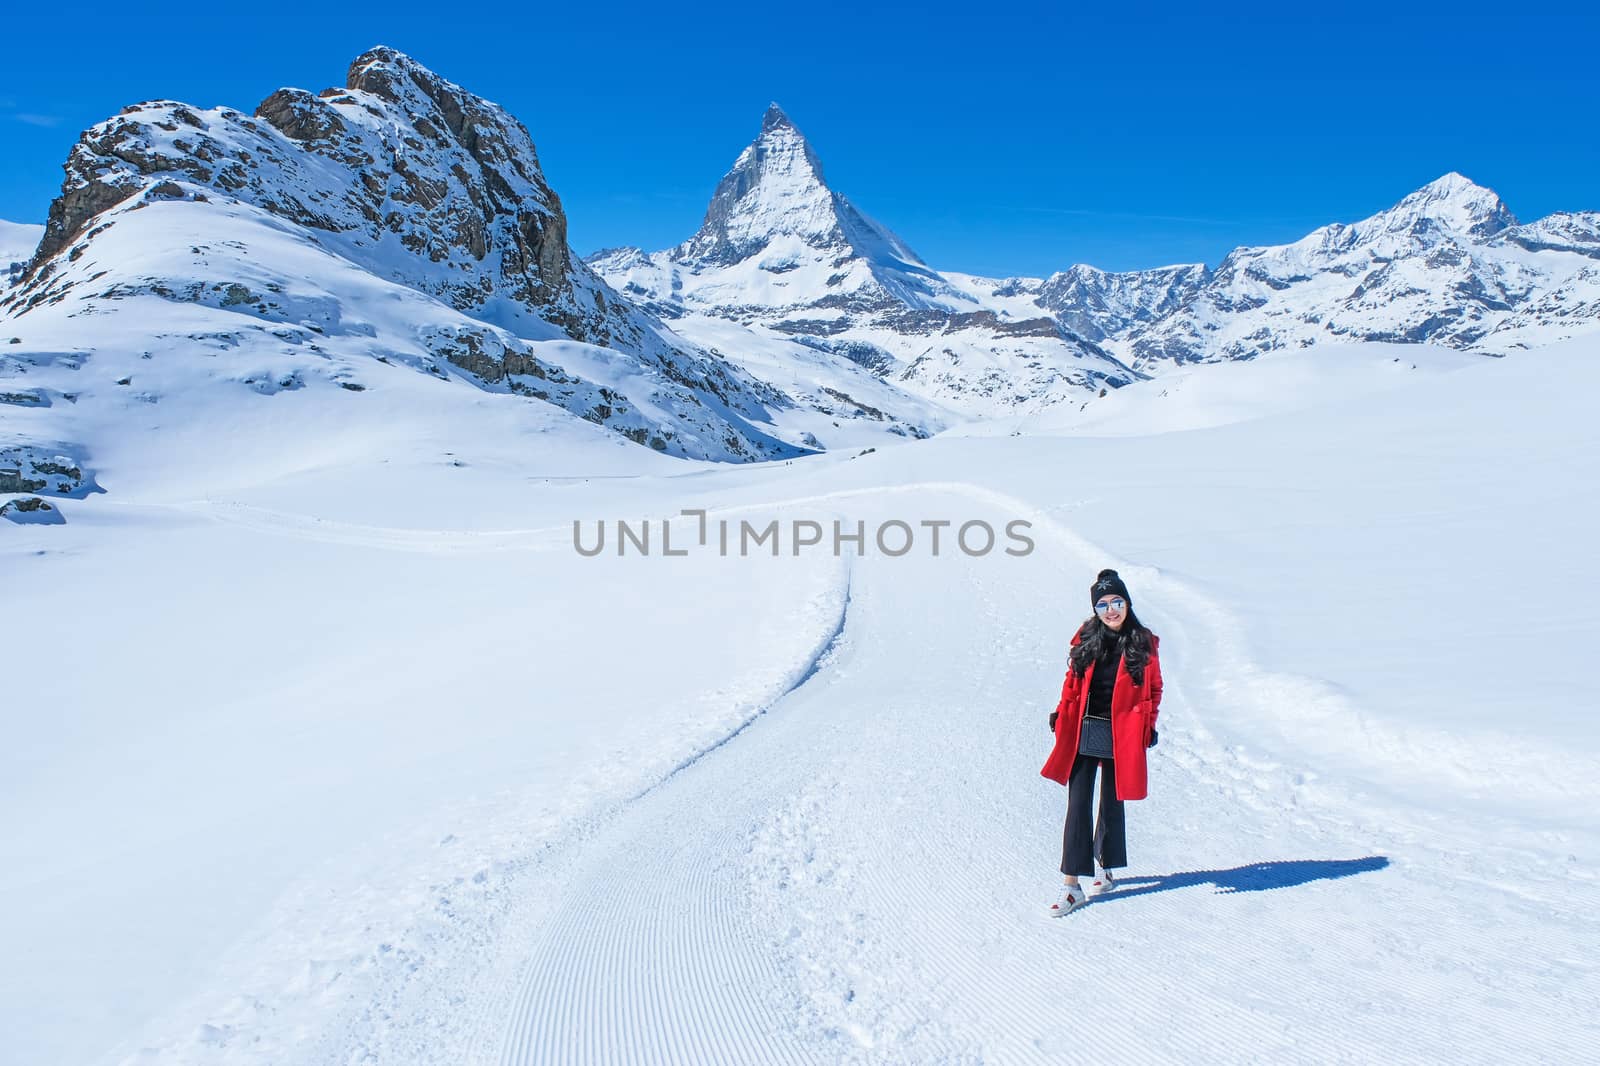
[{"x": 1109, "y": 840}]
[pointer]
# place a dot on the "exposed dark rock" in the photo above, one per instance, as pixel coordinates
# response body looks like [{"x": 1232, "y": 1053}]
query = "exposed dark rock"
[
  {"x": 30, "y": 510},
  {"x": 300, "y": 116}
]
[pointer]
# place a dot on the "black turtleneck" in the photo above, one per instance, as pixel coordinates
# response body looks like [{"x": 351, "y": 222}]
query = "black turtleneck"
[{"x": 1104, "y": 680}]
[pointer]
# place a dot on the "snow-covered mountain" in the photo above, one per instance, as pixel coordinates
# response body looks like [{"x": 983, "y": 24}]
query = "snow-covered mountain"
[
  {"x": 799, "y": 266},
  {"x": 1102, "y": 304},
  {"x": 1447, "y": 265},
  {"x": 782, "y": 254},
  {"x": 393, "y": 232}
]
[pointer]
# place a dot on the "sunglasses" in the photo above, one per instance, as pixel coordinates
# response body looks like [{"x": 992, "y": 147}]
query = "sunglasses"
[{"x": 1109, "y": 605}]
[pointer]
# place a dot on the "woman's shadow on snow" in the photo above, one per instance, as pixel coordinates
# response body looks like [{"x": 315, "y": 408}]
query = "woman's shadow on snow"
[{"x": 1257, "y": 877}]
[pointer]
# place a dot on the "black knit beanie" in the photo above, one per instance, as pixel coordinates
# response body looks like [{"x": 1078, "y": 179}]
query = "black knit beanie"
[{"x": 1107, "y": 583}]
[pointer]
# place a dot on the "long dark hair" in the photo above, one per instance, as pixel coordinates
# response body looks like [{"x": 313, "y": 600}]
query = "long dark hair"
[{"x": 1132, "y": 642}]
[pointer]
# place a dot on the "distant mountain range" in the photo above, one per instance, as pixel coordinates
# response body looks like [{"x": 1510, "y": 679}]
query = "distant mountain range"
[
  {"x": 785, "y": 256},
  {"x": 401, "y": 224}
]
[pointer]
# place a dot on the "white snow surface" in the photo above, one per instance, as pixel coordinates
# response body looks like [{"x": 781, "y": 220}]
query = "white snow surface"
[
  {"x": 331, "y": 748},
  {"x": 17, "y": 243},
  {"x": 18, "y": 240}
]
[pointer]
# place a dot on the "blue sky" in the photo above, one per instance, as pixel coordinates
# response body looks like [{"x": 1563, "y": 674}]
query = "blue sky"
[{"x": 994, "y": 139}]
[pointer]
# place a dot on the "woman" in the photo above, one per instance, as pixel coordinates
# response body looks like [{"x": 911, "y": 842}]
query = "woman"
[{"x": 1106, "y": 719}]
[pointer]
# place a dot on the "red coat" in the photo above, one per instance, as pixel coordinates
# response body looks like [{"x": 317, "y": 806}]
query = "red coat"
[{"x": 1133, "y": 715}]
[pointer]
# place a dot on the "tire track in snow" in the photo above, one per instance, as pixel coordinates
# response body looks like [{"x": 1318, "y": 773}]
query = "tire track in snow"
[
  {"x": 476, "y": 985},
  {"x": 829, "y": 642},
  {"x": 594, "y": 990}
]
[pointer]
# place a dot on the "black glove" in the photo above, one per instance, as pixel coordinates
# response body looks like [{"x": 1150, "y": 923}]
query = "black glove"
[
  {"x": 1053, "y": 716},
  {"x": 1153, "y": 736}
]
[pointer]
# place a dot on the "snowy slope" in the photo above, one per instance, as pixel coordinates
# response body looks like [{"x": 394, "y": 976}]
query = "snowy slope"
[
  {"x": 232, "y": 317},
  {"x": 1216, "y": 394},
  {"x": 416, "y": 783}
]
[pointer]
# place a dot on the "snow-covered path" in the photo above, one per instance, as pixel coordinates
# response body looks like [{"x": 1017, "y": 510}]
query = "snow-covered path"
[{"x": 862, "y": 875}]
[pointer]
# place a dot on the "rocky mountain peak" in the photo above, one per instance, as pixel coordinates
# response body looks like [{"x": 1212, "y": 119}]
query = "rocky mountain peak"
[
  {"x": 776, "y": 198},
  {"x": 774, "y": 189},
  {"x": 378, "y": 69},
  {"x": 397, "y": 79},
  {"x": 776, "y": 119},
  {"x": 448, "y": 176}
]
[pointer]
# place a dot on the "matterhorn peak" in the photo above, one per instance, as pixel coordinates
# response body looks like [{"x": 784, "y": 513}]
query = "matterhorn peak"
[
  {"x": 775, "y": 189},
  {"x": 776, "y": 195},
  {"x": 776, "y": 119}
]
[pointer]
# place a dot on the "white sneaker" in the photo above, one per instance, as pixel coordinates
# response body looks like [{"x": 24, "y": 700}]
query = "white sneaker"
[
  {"x": 1102, "y": 884},
  {"x": 1071, "y": 898}
]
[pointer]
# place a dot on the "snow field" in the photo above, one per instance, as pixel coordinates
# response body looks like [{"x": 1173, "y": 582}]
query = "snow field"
[{"x": 404, "y": 779}]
